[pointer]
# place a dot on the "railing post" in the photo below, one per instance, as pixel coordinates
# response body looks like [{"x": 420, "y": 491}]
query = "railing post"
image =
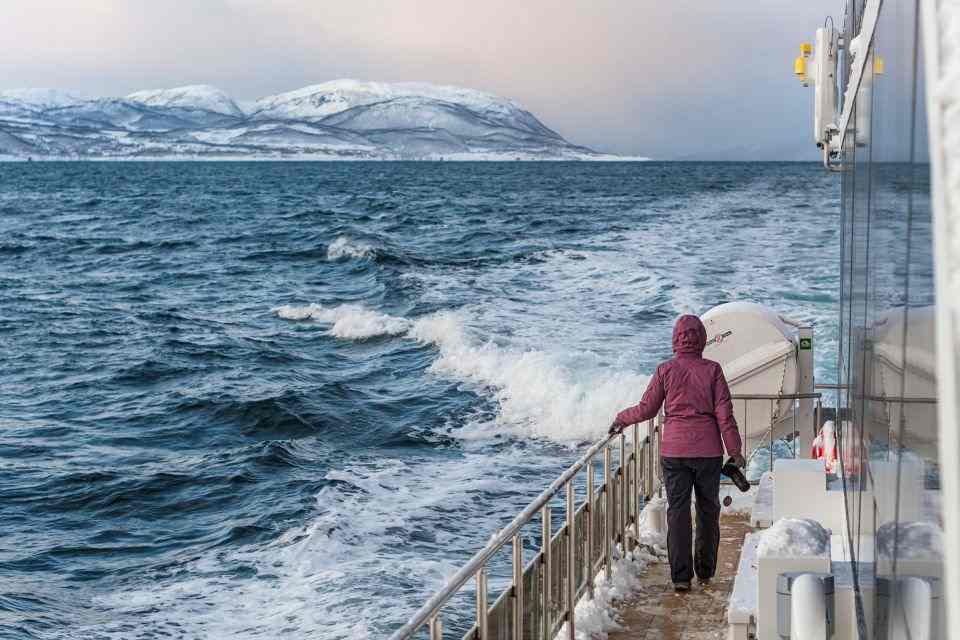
[
  {"x": 623, "y": 494},
  {"x": 436, "y": 628},
  {"x": 745, "y": 428},
  {"x": 796, "y": 434},
  {"x": 656, "y": 456},
  {"x": 641, "y": 478},
  {"x": 571, "y": 557},
  {"x": 517, "y": 587},
  {"x": 771, "y": 436},
  {"x": 591, "y": 523},
  {"x": 545, "y": 554},
  {"x": 607, "y": 513},
  {"x": 818, "y": 412},
  {"x": 648, "y": 476},
  {"x": 482, "y": 633},
  {"x": 635, "y": 496}
]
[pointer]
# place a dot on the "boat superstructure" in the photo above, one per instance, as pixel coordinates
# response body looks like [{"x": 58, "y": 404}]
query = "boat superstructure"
[{"x": 856, "y": 523}]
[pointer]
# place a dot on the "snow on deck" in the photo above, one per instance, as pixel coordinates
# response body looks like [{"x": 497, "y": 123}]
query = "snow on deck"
[
  {"x": 656, "y": 612},
  {"x": 743, "y": 600},
  {"x": 761, "y": 515}
]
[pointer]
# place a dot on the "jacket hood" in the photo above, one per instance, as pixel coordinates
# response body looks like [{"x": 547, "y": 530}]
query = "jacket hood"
[{"x": 689, "y": 336}]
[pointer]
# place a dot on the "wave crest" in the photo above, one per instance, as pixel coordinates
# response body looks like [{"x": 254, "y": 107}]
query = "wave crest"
[
  {"x": 348, "y": 321},
  {"x": 538, "y": 393},
  {"x": 345, "y": 248}
]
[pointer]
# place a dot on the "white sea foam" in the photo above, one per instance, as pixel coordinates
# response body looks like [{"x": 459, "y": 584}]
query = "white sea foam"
[
  {"x": 348, "y": 321},
  {"x": 306, "y": 312},
  {"x": 344, "y": 248},
  {"x": 316, "y": 580},
  {"x": 537, "y": 392}
]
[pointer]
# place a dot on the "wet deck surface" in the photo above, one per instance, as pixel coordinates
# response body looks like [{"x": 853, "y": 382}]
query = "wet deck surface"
[{"x": 655, "y": 612}]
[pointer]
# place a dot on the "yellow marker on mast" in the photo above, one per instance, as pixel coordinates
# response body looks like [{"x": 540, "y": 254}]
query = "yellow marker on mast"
[{"x": 800, "y": 64}]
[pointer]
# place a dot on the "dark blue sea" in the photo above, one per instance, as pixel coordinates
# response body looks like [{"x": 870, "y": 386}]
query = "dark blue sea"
[{"x": 287, "y": 400}]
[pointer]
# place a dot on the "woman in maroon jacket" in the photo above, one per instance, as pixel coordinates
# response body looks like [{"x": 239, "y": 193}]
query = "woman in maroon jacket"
[{"x": 698, "y": 424}]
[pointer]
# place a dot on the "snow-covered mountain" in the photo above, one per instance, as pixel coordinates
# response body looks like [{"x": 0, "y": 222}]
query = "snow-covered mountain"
[
  {"x": 198, "y": 97},
  {"x": 346, "y": 119},
  {"x": 37, "y": 98}
]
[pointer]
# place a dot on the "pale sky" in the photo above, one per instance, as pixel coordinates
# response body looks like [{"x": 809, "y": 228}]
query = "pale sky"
[{"x": 671, "y": 79}]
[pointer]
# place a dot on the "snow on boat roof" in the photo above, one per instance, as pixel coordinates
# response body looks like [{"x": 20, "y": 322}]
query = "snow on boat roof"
[{"x": 792, "y": 537}]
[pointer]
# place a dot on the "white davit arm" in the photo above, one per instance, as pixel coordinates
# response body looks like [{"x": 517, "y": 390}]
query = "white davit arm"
[{"x": 818, "y": 66}]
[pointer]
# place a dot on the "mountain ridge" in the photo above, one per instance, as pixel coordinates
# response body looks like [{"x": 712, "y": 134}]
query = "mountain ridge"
[{"x": 339, "y": 119}]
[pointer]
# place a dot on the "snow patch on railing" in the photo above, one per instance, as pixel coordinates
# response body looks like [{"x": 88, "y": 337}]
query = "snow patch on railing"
[{"x": 595, "y": 618}]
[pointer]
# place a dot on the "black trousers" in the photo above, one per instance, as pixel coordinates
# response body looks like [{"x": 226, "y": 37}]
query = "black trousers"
[{"x": 680, "y": 476}]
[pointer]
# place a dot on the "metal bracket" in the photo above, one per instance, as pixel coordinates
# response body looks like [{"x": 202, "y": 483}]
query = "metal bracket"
[{"x": 867, "y": 29}]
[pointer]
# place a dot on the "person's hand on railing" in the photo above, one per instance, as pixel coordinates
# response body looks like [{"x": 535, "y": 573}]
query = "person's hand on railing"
[
  {"x": 738, "y": 461},
  {"x": 616, "y": 427}
]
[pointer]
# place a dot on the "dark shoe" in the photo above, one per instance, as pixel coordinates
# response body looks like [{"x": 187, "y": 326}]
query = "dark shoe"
[
  {"x": 681, "y": 587},
  {"x": 704, "y": 582}
]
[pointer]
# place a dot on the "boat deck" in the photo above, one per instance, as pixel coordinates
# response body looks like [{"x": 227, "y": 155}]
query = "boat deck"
[{"x": 655, "y": 612}]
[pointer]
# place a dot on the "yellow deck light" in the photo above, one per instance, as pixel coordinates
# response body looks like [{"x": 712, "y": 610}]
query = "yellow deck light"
[{"x": 800, "y": 63}]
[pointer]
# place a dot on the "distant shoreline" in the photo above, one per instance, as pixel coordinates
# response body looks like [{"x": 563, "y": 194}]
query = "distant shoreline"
[{"x": 310, "y": 158}]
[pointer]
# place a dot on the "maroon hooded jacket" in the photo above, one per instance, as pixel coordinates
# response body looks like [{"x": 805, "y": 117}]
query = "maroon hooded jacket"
[{"x": 695, "y": 397}]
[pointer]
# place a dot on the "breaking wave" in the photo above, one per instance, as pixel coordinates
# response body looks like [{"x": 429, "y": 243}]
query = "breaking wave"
[
  {"x": 345, "y": 248},
  {"x": 348, "y": 321},
  {"x": 537, "y": 393}
]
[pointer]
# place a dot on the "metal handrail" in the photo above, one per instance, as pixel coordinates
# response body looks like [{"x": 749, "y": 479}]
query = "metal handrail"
[
  {"x": 903, "y": 399},
  {"x": 830, "y": 385},
  {"x": 474, "y": 568},
  {"x": 773, "y": 396},
  {"x": 773, "y": 399}
]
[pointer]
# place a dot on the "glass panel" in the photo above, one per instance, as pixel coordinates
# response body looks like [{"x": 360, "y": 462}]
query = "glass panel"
[{"x": 888, "y": 436}]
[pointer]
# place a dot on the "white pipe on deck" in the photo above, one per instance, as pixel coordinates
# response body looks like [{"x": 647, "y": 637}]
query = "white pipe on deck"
[
  {"x": 808, "y": 609},
  {"x": 912, "y": 610}
]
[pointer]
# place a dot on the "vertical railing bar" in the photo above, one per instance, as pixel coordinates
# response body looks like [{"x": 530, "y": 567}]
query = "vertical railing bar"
[
  {"x": 591, "y": 523},
  {"x": 517, "y": 587},
  {"x": 436, "y": 628},
  {"x": 651, "y": 437},
  {"x": 659, "y": 469},
  {"x": 746, "y": 430},
  {"x": 641, "y": 475},
  {"x": 795, "y": 433},
  {"x": 645, "y": 484},
  {"x": 771, "y": 436},
  {"x": 571, "y": 558},
  {"x": 607, "y": 513},
  {"x": 482, "y": 631},
  {"x": 635, "y": 496},
  {"x": 818, "y": 416},
  {"x": 545, "y": 555},
  {"x": 623, "y": 493}
]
